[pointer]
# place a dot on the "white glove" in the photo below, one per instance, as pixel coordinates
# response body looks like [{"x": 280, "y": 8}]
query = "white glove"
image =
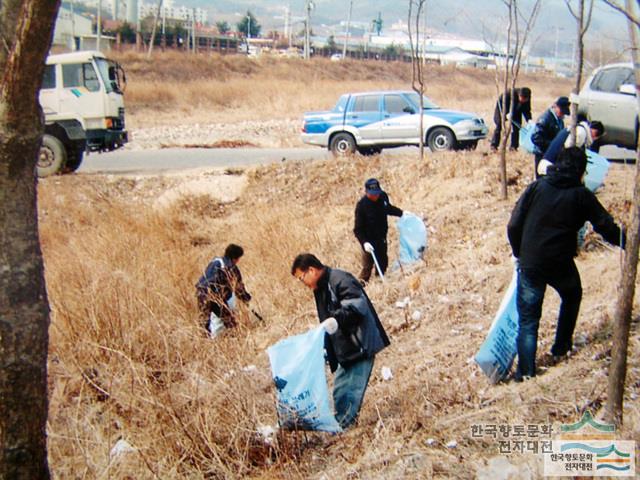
[
  {"x": 330, "y": 325},
  {"x": 515, "y": 261},
  {"x": 367, "y": 247},
  {"x": 543, "y": 166}
]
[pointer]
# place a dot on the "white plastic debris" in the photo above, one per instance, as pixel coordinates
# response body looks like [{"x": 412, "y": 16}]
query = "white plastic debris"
[
  {"x": 430, "y": 442},
  {"x": 403, "y": 303},
  {"x": 416, "y": 316},
  {"x": 250, "y": 368},
  {"x": 267, "y": 432},
  {"x": 451, "y": 444},
  {"x": 121, "y": 447},
  {"x": 387, "y": 374}
]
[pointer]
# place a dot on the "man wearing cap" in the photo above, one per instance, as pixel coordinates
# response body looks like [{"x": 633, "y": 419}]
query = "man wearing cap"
[
  {"x": 521, "y": 108},
  {"x": 371, "y": 227},
  {"x": 543, "y": 236},
  {"x": 547, "y": 127}
]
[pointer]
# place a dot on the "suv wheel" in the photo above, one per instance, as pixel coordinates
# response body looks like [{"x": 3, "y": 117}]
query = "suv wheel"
[
  {"x": 441, "y": 139},
  {"x": 342, "y": 145}
]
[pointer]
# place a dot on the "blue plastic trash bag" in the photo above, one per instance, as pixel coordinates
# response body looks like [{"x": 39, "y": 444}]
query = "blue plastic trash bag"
[
  {"x": 597, "y": 168},
  {"x": 496, "y": 354},
  {"x": 413, "y": 238},
  {"x": 526, "y": 130},
  {"x": 297, "y": 365}
]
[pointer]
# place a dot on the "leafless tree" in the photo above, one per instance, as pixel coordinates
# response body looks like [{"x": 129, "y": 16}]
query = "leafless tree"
[
  {"x": 624, "y": 303},
  {"x": 519, "y": 26},
  {"x": 417, "y": 8},
  {"x": 26, "y": 28},
  {"x": 583, "y": 20}
]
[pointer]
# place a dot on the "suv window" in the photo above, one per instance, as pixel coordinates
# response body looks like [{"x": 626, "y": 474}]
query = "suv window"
[
  {"x": 49, "y": 77},
  {"x": 366, "y": 103},
  {"x": 395, "y": 104},
  {"x": 80, "y": 75},
  {"x": 610, "y": 80}
]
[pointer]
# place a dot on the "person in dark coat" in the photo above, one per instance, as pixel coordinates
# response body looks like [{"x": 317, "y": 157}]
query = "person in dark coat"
[
  {"x": 543, "y": 236},
  {"x": 354, "y": 332},
  {"x": 221, "y": 279},
  {"x": 371, "y": 227},
  {"x": 547, "y": 127},
  {"x": 518, "y": 111}
]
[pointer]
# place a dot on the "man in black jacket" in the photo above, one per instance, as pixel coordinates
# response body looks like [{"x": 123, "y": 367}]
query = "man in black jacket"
[
  {"x": 354, "y": 332},
  {"x": 520, "y": 109},
  {"x": 371, "y": 227},
  {"x": 221, "y": 279},
  {"x": 543, "y": 236},
  {"x": 547, "y": 127}
]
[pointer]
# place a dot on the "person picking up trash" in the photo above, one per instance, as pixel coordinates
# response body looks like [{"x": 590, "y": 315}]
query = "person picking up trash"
[
  {"x": 547, "y": 127},
  {"x": 588, "y": 135},
  {"x": 521, "y": 109},
  {"x": 371, "y": 227},
  {"x": 354, "y": 332},
  {"x": 543, "y": 236},
  {"x": 220, "y": 281}
]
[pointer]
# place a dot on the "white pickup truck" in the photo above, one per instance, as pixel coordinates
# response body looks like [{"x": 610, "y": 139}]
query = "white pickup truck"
[
  {"x": 370, "y": 121},
  {"x": 83, "y": 104}
]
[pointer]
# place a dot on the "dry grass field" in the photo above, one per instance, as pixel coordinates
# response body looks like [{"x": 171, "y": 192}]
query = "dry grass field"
[{"x": 129, "y": 362}]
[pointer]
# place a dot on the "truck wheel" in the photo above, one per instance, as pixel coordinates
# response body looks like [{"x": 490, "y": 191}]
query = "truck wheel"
[
  {"x": 52, "y": 156},
  {"x": 342, "y": 145},
  {"x": 440, "y": 139},
  {"x": 73, "y": 162}
]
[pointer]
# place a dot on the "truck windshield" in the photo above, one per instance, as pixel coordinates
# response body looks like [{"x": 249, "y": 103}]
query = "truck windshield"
[
  {"x": 415, "y": 99},
  {"x": 111, "y": 84}
]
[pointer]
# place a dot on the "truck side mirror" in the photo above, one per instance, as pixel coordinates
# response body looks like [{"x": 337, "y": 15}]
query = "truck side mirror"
[
  {"x": 112, "y": 73},
  {"x": 408, "y": 110},
  {"x": 627, "y": 89}
]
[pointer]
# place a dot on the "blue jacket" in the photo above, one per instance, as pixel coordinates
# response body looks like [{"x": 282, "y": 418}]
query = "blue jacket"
[{"x": 545, "y": 130}]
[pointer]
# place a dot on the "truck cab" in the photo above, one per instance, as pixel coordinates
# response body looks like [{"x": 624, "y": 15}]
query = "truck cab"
[{"x": 82, "y": 100}]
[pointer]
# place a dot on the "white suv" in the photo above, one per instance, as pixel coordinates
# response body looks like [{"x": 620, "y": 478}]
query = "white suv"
[{"x": 609, "y": 96}]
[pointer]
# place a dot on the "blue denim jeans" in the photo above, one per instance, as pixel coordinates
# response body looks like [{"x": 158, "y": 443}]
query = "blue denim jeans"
[
  {"x": 349, "y": 386},
  {"x": 532, "y": 284}
]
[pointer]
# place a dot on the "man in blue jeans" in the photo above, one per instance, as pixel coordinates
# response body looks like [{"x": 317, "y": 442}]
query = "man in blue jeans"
[
  {"x": 354, "y": 332},
  {"x": 543, "y": 236}
]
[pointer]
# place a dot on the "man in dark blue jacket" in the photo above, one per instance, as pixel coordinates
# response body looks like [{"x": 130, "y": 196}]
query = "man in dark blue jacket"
[
  {"x": 543, "y": 236},
  {"x": 371, "y": 226},
  {"x": 547, "y": 127},
  {"x": 221, "y": 279},
  {"x": 517, "y": 113},
  {"x": 354, "y": 332}
]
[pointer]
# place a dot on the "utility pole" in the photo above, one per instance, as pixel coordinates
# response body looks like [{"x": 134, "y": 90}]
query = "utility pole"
[
  {"x": 73, "y": 28},
  {"x": 193, "y": 29},
  {"x": 307, "y": 28},
  {"x": 346, "y": 37},
  {"x": 153, "y": 30},
  {"x": 99, "y": 26}
]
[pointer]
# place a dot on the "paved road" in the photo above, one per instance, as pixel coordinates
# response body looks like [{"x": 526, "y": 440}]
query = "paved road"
[{"x": 156, "y": 161}]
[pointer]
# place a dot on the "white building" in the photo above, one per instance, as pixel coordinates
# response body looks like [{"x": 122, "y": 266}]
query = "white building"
[
  {"x": 170, "y": 11},
  {"x": 75, "y": 32}
]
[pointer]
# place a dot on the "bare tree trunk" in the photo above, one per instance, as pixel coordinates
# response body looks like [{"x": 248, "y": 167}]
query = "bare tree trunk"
[
  {"x": 582, "y": 25},
  {"x": 26, "y": 28},
  {"x": 417, "y": 67},
  {"x": 503, "y": 117},
  {"x": 624, "y": 304}
]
